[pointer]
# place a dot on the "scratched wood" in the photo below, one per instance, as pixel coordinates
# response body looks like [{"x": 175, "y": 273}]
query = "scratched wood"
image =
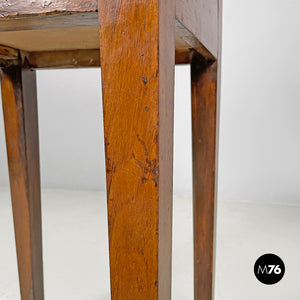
[
  {"x": 199, "y": 17},
  {"x": 63, "y": 59},
  {"x": 20, "y": 118},
  {"x": 77, "y": 59},
  {"x": 204, "y": 75},
  {"x": 206, "y": 80},
  {"x": 137, "y": 60},
  {"x": 74, "y": 39},
  {"x": 11, "y": 8},
  {"x": 55, "y": 39},
  {"x": 63, "y": 42},
  {"x": 7, "y": 53}
]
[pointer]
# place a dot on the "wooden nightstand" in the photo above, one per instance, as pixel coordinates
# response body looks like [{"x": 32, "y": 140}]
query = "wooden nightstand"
[{"x": 140, "y": 42}]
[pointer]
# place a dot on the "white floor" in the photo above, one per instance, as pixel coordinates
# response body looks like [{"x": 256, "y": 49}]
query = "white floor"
[{"x": 76, "y": 249}]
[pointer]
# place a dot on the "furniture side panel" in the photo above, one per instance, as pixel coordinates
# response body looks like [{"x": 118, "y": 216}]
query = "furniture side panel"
[{"x": 201, "y": 17}]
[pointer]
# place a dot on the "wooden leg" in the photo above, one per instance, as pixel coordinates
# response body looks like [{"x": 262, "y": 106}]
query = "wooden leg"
[
  {"x": 21, "y": 126},
  {"x": 137, "y": 60},
  {"x": 204, "y": 133}
]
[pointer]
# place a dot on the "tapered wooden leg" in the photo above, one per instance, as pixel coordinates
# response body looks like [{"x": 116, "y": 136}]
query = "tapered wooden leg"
[
  {"x": 204, "y": 134},
  {"x": 137, "y": 60},
  {"x": 21, "y": 126}
]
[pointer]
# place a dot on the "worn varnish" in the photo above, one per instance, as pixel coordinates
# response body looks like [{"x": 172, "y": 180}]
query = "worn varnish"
[
  {"x": 205, "y": 78},
  {"x": 11, "y": 8},
  {"x": 61, "y": 43},
  {"x": 7, "y": 53},
  {"x": 63, "y": 59},
  {"x": 20, "y": 117},
  {"x": 140, "y": 40},
  {"x": 83, "y": 38},
  {"x": 137, "y": 60},
  {"x": 77, "y": 59},
  {"x": 201, "y": 17},
  {"x": 8, "y": 56},
  {"x": 55, "y": 39},
  {"x": 204, "y": 137},
  {"x": 54, "y": 25}
]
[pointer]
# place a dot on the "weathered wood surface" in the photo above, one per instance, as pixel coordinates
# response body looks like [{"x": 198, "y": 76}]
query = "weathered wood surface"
[
  {"x": 77, "y": 59},
  {"x": 87, "y": 37},
  {"x": 138, "y": 137},
  {"x": 55, "y": 39},
  {"x": 137, "y": 60},
  {"x": 8, "y": 53},
  {"x": 84, "y": 58},
  {"x": 62, "y": 42},
  {"x": 204, "y": 75},
  {"x": 8, "y": 56},
  {"x": 16, "y": 8},
  {"x": 63, "y": 59},
  {"x": 21, "y": 127},
  {"x": 206, "y": 82},
  {"x": 200, "y": 17}
]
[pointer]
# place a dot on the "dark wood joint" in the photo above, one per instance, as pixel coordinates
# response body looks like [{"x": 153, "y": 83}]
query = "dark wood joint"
[
  {"x": 199, "y": 62},
  {"x": 8, "y": 57}
]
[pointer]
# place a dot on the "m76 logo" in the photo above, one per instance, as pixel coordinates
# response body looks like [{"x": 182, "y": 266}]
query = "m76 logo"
[{"x": 269, "y": 269}]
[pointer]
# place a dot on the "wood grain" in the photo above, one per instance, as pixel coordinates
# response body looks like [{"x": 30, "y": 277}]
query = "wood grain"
[
  {"x": 204, "y": 136},
  {"x": 206, "y": 80},
  {"x": 21, "y": 128},
  {"x": 8, "y": 57},
  {"x": 198, "y": 17},
  {"x": 22, "y": 15},
  {"x": 11, "y": 8},
  {"x": 201, "y": 17},
  {"x": 7, "y": 53},
  {"x": 137, "y": 60},
  {"x": 63, "y": 59},
  {"x": 48, "y": 21},
  {"x": 68, "y": 40},
  {"x": 189, "y": 41},
  {"x": 57, "y": 39},
  {"x": 77, "y": 58}
]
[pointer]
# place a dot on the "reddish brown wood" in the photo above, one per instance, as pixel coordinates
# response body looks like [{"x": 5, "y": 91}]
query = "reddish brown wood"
[
  {"x": 57, "y": 45},
  {"x": 21, "y": 127},
  {"x": 204, "y": 132},
  {"x": 137, "y": 59},
  {"x": 63, "y": 59},
  {"x": 77, "y": 59},
  {"x": 199, "y": 18}
]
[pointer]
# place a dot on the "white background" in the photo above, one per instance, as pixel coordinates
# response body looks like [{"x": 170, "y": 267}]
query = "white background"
[{"x": 260, "y": 113}]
